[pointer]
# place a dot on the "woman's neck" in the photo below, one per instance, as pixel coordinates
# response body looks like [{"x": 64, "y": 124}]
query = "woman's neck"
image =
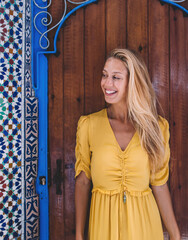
[{"x": 118, "y": 112}]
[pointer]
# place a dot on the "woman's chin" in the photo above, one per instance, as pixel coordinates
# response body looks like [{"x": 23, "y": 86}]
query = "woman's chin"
[{"x": 109, "y": 101}]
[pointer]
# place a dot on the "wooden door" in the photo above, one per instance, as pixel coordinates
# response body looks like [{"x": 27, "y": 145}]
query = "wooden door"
[{"x": 74, "y": 89}]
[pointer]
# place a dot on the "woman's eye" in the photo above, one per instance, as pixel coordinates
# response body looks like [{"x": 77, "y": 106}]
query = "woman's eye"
[
  {"x": 116, "y": 78},
  {"x": 104, "y": 75}
]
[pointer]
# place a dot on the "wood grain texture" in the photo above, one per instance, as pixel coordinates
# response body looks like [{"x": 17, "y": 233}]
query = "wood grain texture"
[
  {"x": 73, "y": 103},
  {"x": 94, "y": 55},
  {"x": 159, "y": 60},
  {"x": 115, "y": 24},
  {"x": 137, "y": 27},
  {"x": 158, "y": 25},
  {"x": 56, "y": 130},
  {"x": 179, "y": 117}
]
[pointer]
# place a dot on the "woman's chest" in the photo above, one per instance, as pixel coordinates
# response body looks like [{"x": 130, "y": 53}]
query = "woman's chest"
[
  {"x": 123, "y": 134},
  {"x": 110, "y": 165}
]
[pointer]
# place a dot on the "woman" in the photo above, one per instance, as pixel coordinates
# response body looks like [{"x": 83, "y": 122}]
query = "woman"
[{"x": 121, "y": 150}]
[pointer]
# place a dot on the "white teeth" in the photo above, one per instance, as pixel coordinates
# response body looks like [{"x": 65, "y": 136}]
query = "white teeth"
[{"x": 110, "y": 92}]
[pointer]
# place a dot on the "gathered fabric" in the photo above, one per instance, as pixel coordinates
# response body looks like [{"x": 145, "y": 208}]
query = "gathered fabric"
[{"x": 122, "y": 205}]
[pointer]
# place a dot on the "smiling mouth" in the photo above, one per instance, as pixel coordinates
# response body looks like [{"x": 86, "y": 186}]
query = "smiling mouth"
[{"x": 110, "y": 92}]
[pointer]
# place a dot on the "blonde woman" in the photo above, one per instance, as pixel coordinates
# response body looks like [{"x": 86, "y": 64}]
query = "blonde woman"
[{"x": 121, "y": 151}]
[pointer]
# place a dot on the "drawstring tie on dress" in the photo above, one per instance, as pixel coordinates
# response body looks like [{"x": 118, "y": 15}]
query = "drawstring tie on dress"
[{"x": 124, "y": 197}]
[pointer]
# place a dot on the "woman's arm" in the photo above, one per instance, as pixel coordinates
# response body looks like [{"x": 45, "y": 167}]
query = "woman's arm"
[
  {"x": 163, "y": 199},
  {"x": 82, "y": 192}
]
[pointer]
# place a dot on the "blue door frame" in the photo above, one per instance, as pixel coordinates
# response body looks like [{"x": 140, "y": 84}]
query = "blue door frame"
[{"x": 40, "y": 86}]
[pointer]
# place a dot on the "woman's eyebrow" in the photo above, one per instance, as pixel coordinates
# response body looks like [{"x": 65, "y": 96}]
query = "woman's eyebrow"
[
  {"x": 118, "y": 72},
  {"x": 113, "y": 72}
]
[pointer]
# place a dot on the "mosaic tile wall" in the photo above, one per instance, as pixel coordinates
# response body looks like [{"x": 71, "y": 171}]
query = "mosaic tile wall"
[
  {"x": 11, "y": 27},
  {"x": 19, "y": 217}
]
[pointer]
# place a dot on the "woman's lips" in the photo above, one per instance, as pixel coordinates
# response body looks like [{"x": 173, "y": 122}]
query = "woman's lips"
[{"x": 110, "y": 92}]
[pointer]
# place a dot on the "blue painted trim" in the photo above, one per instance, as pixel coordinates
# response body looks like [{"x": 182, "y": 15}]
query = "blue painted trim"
[
  {"x": 41, "y": 92},
  {"x": 40, "y": 85},
  {"x": 176, "y": 5},
  {"x": 42, "y": 95}
]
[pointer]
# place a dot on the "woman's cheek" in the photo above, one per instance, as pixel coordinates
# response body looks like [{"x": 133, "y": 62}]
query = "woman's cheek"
[{"x": 102, "y": 84}]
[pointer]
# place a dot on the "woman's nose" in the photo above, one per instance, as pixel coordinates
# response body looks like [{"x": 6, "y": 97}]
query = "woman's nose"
[{"x": 109, "y": 81}]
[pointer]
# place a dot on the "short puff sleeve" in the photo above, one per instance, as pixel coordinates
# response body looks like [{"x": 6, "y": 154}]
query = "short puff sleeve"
[
  {"x": 161, "y": 176},
  {"x": 82, "y": 150}
]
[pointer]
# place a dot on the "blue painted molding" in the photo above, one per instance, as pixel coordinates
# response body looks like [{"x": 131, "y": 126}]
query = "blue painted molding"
[
  {"x": 175, "y": 5},
  {"x": 40, "y": 86}
]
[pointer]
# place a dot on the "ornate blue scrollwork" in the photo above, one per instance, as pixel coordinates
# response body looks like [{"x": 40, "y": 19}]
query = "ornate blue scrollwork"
[
  {"x": 175, "y": 4},
  {"x": 44, "y": 18}
]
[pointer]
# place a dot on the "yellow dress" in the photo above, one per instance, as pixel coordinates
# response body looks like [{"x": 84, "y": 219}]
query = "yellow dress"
[{"x": 122, "y": 204}]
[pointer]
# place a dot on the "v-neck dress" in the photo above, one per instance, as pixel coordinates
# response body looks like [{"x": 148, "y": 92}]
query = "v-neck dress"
[{"x": 122, "y": 204}]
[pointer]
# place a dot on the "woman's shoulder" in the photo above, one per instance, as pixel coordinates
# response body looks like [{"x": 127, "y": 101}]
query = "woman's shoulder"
[
  {"x": 97, "y": 115},
  {"x": 164, "y": 126},
  {"x": 163, "y": 122},
  {"x": 92, "y": 117}
]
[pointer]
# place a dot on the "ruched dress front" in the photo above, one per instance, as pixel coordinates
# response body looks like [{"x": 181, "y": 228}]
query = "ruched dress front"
[{"x": 122, "y": 204}]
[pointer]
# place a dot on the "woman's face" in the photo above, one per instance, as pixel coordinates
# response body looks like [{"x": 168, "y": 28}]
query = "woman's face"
[{"x": 114, "y": 81}]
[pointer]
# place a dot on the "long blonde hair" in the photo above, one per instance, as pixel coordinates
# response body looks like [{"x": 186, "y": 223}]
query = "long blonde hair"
[{"x": 141, "y": 103}]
